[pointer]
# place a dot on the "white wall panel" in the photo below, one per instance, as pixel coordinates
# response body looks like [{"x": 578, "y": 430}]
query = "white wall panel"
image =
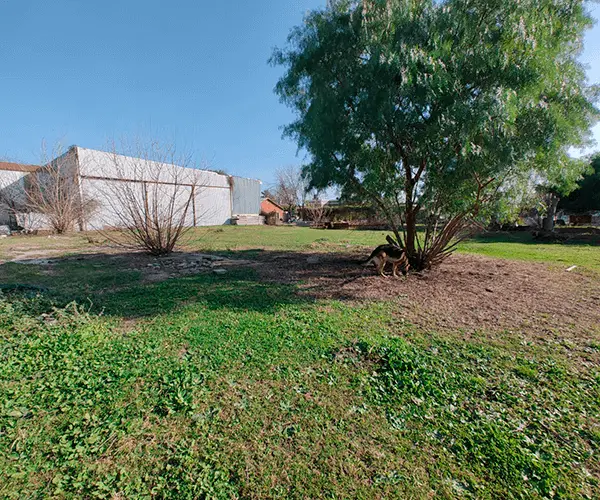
[
  {"x": 12, "y": 189},
  {"x": 99, "y": 171},
  {"x": 102, "y": 164},
  {"x": 212, "y": 205}
]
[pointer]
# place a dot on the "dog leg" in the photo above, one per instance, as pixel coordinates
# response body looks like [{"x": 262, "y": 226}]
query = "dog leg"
[
  {"x": 382, "y": 269},
  {"x": 405, "y": 269}
]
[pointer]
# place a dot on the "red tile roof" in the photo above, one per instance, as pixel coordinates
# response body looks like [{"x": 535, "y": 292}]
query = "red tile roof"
[{"x": 271, "y": 201}]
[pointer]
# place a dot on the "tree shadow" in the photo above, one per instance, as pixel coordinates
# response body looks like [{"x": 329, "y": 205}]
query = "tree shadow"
[
  {"x": 504, "y": 237},
  {"x": 465, "y": 291},
  {"x": 132, "y": 285},
  {"x": 572, "y": 236},
  {"x": 240, "y": 289}
]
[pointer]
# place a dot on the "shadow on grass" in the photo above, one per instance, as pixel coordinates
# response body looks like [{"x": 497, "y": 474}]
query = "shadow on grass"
[
  {"x": 240, "y": 289},
  {"x": 505, "y": 237},
  {"x": 137, "y": 285},
  {"x": 575, "y": 236}
]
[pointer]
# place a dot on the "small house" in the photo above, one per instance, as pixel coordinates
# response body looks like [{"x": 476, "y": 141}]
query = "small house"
[{"x": 268, "y": 206}]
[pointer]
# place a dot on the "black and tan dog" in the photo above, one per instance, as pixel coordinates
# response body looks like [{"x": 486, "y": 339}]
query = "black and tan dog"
[{"x": 389, "y": 253}]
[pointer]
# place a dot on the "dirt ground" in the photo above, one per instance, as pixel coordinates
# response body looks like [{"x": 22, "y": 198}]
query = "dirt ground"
[{"x": 467, "y": 293}]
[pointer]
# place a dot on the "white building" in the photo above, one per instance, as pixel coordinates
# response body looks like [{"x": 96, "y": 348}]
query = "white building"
[
  {"x": 105, "y": 179},
  {"x": 12, "y": 190}
]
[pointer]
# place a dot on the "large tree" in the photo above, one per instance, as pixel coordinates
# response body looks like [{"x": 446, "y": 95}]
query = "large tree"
[
  {"x": 559, "y": 181},
  {"x": 427, "y": 107}
]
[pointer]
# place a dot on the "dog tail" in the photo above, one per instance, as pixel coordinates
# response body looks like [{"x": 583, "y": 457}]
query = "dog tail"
[{"x": 371, "y": 257}]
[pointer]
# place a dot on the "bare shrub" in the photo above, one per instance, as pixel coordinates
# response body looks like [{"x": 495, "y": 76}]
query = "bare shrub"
[
  {"x": 151, "y": 196},
  {"x": 316, "y": 212},
  {"x": 290, "y": 189},
  {"x": 53, "y": 192}
]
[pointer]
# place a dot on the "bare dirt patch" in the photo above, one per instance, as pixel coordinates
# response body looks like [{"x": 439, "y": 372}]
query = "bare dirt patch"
[
  {"x": 469, "y": 293},
  {"x": 38, "y": 254}
]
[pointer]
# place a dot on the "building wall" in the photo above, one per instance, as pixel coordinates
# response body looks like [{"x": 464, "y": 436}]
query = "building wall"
[
  {"x": 106, "y": 165},
  {"x": 12, "y": 188},
  {"x": 245, "y": 195},
  {"x": 267, "y": 206},
  {"x": 101, "y": 178},
  {"x": 103, "y": 174},
  {"x": 208, "y": 206},
  {"x": 13, "y": 179}
]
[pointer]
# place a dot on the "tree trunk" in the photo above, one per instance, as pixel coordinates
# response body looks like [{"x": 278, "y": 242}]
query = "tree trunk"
[
  {"x": 411, "y": 218},
  {"x": 548, "y": 224},
  {"x": 411, "y": 232}
]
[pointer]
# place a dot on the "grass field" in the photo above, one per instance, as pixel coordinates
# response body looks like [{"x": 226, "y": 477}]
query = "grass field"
[{"x": 207, "y": 386}]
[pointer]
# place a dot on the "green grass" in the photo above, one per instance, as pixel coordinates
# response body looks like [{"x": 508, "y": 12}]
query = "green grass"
[
  {"x": 229, "y": 387},
  {"x": 282, "y": 238},
  {"x": 522, "y": 247},
  {"x": 284, "y": 398}
]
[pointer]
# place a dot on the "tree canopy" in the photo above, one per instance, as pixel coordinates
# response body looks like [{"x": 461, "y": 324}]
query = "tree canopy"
[
  {"x": 587, "y": 195},
  {"x": 427, "y": 107}
]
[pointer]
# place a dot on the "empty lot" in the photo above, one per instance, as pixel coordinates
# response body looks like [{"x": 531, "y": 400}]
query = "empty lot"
[{"x": 297, "y": 372}]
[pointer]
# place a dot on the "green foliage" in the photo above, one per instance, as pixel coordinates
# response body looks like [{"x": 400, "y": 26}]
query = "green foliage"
[
  {"x": 562, "y": 175},
  {"x": 517, "y": 195},
  {"x": 587, "y": 195},
  {"x": 72, "y": 385},
  {"x": 466, "y": 400},
  {"x": 427, "y": 107}
]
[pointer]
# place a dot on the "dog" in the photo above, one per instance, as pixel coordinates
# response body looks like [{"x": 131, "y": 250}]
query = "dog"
[{"x": 389, "y": 253}]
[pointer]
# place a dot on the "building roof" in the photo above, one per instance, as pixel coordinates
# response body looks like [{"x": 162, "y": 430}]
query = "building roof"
[
  {"x": 273, "y": 202},
  {"x": 17, "y": 167}
]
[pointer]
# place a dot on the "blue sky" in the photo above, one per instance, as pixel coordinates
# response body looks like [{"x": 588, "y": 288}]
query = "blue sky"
[{"x": 193, "y": 72}]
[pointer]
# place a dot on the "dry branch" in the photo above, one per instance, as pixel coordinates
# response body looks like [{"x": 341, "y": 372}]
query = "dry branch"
[
  {"x": 152, "y": 197},
  {"x": 53, "y": 192}
]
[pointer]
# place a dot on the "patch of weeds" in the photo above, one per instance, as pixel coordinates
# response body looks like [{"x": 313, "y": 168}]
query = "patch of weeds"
[
  {"x": 176, "y": 387},
  {"x": 526, "y": 372},
  {"x": 515, "y": 424},
  {"x": 71, "y": 388},
  {"x": 237, "y": 388}
]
